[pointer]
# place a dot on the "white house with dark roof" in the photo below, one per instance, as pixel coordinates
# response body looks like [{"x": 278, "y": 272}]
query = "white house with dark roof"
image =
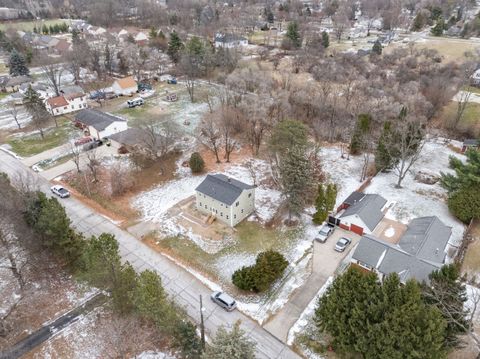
[
  {"x": 361, "y": 213},
  {"x": 100, "y": 124},
  {"x": 420, "y": 251},
  {"x": 229, "y": 41},
  {"x": 227, "y": 199}
]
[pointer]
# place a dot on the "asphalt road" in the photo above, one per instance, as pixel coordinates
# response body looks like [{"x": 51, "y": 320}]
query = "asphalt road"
[
  {"x": 47, "y": 331},
  {"x": 180, "y": 284}
]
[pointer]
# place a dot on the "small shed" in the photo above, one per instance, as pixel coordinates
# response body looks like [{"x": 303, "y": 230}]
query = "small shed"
[{"x": 470, "y": 144}]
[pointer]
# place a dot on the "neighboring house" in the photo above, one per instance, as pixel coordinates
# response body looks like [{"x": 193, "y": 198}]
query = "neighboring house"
[
  {"x": 360, "y": 213},
  {"x": 96, "y": 30},
  {"x": 73, "y": 99},
  {"x": 421, "y": 250},
  {"x": 125, "y": 87},
  {"x": 229, "y": 41},
  {"x": 100, "y": 124},
  {"x": 61, "y": 47},
  {"x": 470, "y": 144},
  {"x": 228, "y": 200},
  {"x": 135, "y": 139},
  {"x": 475, "y": 79},
  {"x": 12, "y": 84}
]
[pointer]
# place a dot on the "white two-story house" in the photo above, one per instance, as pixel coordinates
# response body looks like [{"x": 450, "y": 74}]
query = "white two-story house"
[
  {"x": 71, "y": 99},
  {"x": 228, "y": 200}
]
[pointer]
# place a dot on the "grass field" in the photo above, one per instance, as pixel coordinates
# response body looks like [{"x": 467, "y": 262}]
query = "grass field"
[
  {"x": 29, "y": 25},
  {"x": 470, "y": 120},
  {"x": 250, "y": 239},
  {"x": 472, "y": 258},
  {"x": 33, "y": 144},
  {"x": 450, "y": 49}
]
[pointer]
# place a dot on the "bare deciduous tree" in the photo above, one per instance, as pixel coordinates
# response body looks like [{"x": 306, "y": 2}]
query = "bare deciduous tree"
[
  {"x": 93, "y": 163},
  {"x": 13, "y": 110},
  {"x": 75, "y": 151},
  {"x": 209, "y": 134},
  {"x": 53, "y": 75}
]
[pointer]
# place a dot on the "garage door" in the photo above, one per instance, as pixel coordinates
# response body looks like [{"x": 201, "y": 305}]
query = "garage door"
[{"x": 356, "y": 229}]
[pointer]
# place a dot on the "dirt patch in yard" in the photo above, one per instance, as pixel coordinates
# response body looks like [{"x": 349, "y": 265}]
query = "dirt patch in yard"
[
  {"x": 238, "y": 156},
  {"x": 471, "y": 264}
]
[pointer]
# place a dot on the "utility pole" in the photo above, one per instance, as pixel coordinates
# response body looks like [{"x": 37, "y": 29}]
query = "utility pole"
[{"x": 202, "y": 326}]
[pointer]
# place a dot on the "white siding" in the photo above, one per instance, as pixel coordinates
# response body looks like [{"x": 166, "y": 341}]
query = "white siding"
[
  {"x": 121, "y": 91},
  {"x": 230, "y": 215},
  {"x": 115, "y": 127}
]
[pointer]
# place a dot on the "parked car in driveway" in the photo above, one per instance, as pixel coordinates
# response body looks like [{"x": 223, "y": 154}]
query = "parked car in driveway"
[
  {"x": 224, "y": 300},
  {"x": 60, "y": 191},
  {"x": 324, "y": 233},
  {"x": 342, "y": 243}
]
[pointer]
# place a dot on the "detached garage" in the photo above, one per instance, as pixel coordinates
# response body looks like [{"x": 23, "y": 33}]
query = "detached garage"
[{"x": 362, "y": 215}]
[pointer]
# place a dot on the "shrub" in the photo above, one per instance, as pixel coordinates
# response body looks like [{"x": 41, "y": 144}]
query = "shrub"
[
  {"x": 268, "y": 267},
  {"x": 196, "y": 163},
  {"x": 465, "y": 204}
]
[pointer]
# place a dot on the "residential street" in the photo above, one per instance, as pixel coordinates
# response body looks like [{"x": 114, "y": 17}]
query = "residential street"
[{"x": 182, "y": 286}]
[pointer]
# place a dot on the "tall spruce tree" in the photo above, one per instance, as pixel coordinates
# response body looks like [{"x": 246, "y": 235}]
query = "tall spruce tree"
[
  {"x": 175, "y": 47},
  {"x": 37, "y": 110},
  {"x": 325, "y": 39},
  {"x": 362, "y": 127},
  {"x": 377, "y": 48},
  {"x": 293, "y": 34},
  {"x": 296, "y": 179},
  {"x": 325, "y": 202},
  {"x": 17, "y": 64},
  {"x": 380, "y": 320},
  {"x": 383, "y": 159}
]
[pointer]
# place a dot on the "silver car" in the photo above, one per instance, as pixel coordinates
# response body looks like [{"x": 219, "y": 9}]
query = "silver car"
[
  {"x": 224, "y": 300},
  {"x": 60, "y": 191},
  {"x": 324, "y": 233},
  {"x": 342, "y": 243}
]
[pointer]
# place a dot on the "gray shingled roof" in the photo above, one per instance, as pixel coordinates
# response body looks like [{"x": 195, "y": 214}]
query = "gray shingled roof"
[
  {"x": 222, "y": 188},
  {"x": 388, "y": 258},
  {"x": 226, "y": 38},
  {"x": 420, "y": 251},
  {"x": 96, "y": 119},
  {"x": 354, "y": 197},
  {"x": 426, "y": 238},
  {"x": 369, "y": 209},
  {"x": 471, "y": 142},
  {"x": 134, "y": 136}
]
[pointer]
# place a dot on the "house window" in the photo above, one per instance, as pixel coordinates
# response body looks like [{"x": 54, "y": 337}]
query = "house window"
[
  {"x": 73, "y": 107},
  {"x": 236, "y": 204},
  {"x": 65, "y": 107},
  {"x": 56, "y": 110},
  {"x": 221, "y": 204},
  {"x": 242, "y": 210},
  {"x": 227, "y": 216},
  {"x": 221, "y": 214},
  {"x": 234, "y": 216},
  {"x": 249, "y": 195},
  {"x": 200, "y": 204},
  {"x": 205, "y": 206}
]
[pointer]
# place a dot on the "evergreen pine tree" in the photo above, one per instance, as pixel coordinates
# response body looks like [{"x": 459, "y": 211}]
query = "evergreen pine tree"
[
  {"x": 325, "y": 39},
  {"x": 175, "y": 46},
  {"x": 383, "y": 159},
  {"x": 377, "y": 48},
  {"x": 293, "y": 34},
  {"x": 331, "y": 196},
  {"x": 153, "y": 33},
  {"x": 320, "y": 205},
  {"x": 36, "y": 108},
  {"x": 187, "y": 341},
  {"x": 234, "y": 344},
  {"x": 196, "y": 163},
  {"x": 17, "y": 64},
  {"x": 295, "y": 177},
  {"x": 362, "y": 127},
  {"x": 439, "y": 27}
]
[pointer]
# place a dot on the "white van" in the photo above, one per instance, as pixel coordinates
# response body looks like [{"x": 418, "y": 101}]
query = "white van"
[{"x": 135, "y": 102}]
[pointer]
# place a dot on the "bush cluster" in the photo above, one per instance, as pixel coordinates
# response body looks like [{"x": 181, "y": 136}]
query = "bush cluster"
[{"x": 268, "y": 267}]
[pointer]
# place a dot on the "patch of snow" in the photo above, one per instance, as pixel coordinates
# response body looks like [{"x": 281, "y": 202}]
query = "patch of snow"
[
  {"x": 390, "y": 232},
  {"x": 307, "y": 313},
  {"x": 153, "y": 355}
]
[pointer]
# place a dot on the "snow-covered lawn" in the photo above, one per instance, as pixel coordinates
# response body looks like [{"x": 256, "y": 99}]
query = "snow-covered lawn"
[{"x": 155, "y": 204}]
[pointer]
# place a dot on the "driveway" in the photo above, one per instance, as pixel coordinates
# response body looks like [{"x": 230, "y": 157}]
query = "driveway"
[
  {"x": 325, "y": 262},
  {"x": 183, "y": 287}
]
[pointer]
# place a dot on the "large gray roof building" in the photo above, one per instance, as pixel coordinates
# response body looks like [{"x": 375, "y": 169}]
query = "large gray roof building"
[
  {"x": 420, "y": 251},
  {"x": 97, "y": 119}
]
